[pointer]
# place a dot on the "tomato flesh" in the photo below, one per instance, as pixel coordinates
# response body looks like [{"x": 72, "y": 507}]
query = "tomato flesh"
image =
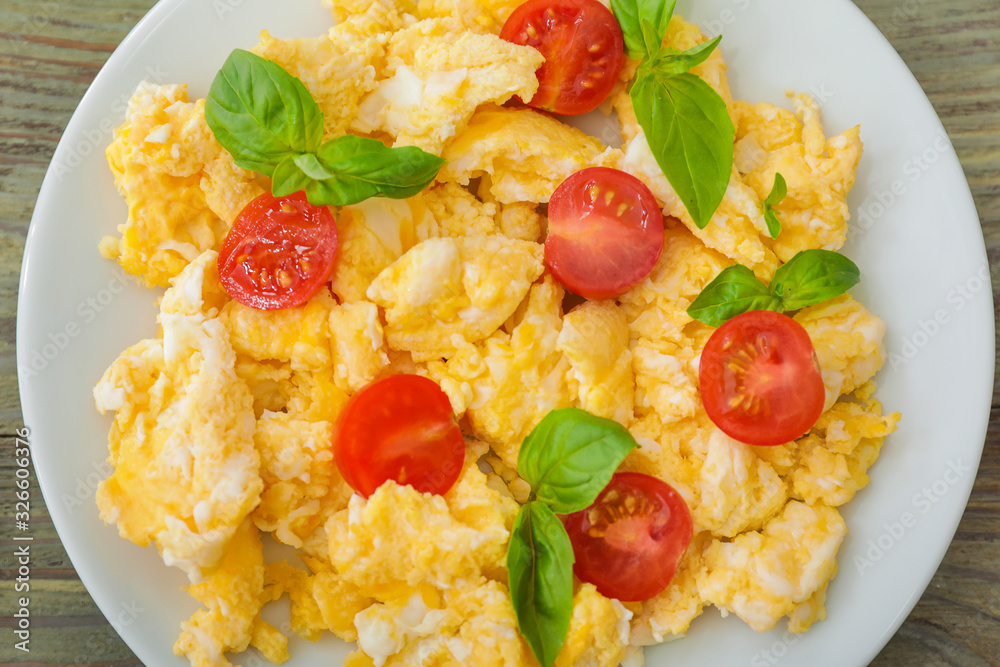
[
  {"x": 402, "y": 428},
  {"x": 605, "y": 232},
  {"x": 583, "y": 48},
  {"x": 279, "y": 252},
  {"x": 760, "y": 382},
  {"x": 629, "y": 541}
]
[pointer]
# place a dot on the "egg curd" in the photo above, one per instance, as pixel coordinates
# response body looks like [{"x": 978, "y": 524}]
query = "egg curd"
[{"x": 223, "y": 422}]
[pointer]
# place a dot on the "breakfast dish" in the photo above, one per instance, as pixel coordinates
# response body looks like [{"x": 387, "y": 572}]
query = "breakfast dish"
[
  {"x": 224, "y": 422},
  {"x": 228, "y": 375}
]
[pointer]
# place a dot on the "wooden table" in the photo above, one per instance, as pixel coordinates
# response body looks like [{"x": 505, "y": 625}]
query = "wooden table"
[{"x": 49, "y": 53}]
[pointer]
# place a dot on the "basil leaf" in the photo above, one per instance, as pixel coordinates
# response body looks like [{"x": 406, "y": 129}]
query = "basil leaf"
[
  {"x": 672, "y": 62},
  {"x": 813, "y": 276},
  {"x": 736, "y": 290},
  {"x": 289, "y": 177},
  {"x": 772, "y": 222},
  {"x": 260, "y": 113},
  {"x": 774, "y": 197},
  {"x": 540, "y": 566},
  {"x": 627, "y": 14},
  {"x": 649, "y": 32},
  {"x": 778, "y": 191},
  {"x": 644, "y": 24},
  {"x": 311, "y": 167},
  {"x": 570, "y": 456},
  {"x": 350, "y": 169},
  {"x": 690, "y": 134}
]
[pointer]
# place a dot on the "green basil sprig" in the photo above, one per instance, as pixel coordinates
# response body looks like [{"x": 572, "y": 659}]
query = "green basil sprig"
[
  {"x": 813, "y": 276},
  {"x": 270, "y": 123},
  {"x": 568, "y": 459},
  {"x": 685, "y": 121},
  {"x": 774, "y": 197},
  {"x": 808, "y": 278}
]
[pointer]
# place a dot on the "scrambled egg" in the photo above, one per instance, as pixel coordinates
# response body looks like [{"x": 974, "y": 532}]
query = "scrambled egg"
[
  {"x": 223, "y": 422},
  {"x": 186, "y": 471},
  {"x": 163, "y": 146},
  {"x": 437, "y": 73},
  {"x": 445, "y": 288},
  {"x": 524, "y": 154}
]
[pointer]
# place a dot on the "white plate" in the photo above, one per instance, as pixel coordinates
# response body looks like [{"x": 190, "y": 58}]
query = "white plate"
[{"x": 916, "y": 237}]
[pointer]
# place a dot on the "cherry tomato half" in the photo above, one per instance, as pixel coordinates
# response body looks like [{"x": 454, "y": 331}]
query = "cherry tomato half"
[
  {"x": 760, "y": 382},
  {"x": 279, "y": 252},
  {"x": 628, "y": 543},
  {"x": 401, "y": 428},
  {"x": 605, "y": 232},
  {"x": 583, "y": 49}
]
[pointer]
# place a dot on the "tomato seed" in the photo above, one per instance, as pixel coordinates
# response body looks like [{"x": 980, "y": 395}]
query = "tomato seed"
[
  {"x": 616, "y": 507},
  {"x": 747, "y": 404},
  {"x": 630, "y": 504}
]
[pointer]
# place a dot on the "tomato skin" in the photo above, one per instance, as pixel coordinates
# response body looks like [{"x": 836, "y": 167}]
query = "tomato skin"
[
  {"x": 402, "y": 428},
  {"x": 760, "y": 382},
  {"x": 583, "y": 48},
  {"x": 605, "y": 232},
  {"x": 279, "y": 252},
  {"x": 630, "y": 555}
]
